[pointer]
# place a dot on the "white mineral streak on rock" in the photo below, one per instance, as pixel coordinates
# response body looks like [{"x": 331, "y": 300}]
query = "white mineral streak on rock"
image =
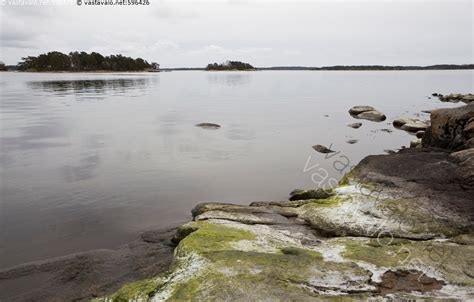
[
  {"x": 337, "y": 282},
  {"x": 189, "y": 266},
  {"x": 331, "y": 251}
]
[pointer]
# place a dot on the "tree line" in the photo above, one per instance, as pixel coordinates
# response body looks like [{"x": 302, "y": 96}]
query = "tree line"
[
  {"x": 82, "y": 61},
  {"x": 230, "y": 65}
]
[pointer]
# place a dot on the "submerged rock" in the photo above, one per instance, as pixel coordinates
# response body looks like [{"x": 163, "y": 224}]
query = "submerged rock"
[
  {"x": 210, "y": 126},
  {"x": 87, "y": 275},
  {"x": 355, "y": 125},
  {"x": 352, "y": 141},
  {"x": 367, "y": 113},
  {"x": 322, "y": 149}
]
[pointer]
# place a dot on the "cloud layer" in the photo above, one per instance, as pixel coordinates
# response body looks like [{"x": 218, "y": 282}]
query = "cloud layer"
[{"x": 264, "y": 33}]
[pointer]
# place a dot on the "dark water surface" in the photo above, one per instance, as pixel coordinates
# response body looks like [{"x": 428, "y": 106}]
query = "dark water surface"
[{"x": 89, "y": 160}]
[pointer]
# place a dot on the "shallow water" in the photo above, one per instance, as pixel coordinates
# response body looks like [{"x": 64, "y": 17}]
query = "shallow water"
[{"x": 89, "y": 160}]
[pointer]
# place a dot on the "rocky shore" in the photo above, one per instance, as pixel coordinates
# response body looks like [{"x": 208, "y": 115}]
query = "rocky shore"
[{"x": 398, "y": 226}]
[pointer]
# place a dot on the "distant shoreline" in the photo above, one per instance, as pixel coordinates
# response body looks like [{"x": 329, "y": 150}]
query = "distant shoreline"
[
  {"x": 347, "y": 68},
  {"x": 284, "y": 68}
]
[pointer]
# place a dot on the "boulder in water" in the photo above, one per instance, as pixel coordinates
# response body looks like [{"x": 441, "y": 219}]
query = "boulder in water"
[
  {"x": 355, "y": 125},
  {"x": 367, "y": 113},
  {"x": 322, "y": 149},
  {"x": 210, "y": 126}
]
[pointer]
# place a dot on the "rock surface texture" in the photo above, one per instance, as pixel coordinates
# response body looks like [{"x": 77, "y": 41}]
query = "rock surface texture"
[
  {"x": 367, "y": 113},
  {"x": 451, "y": 129},
  {"x": 410, "y": 124},
  {"x": 398, "y": 226}
]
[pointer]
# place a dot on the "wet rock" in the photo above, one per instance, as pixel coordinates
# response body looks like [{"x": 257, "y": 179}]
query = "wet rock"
[
  {"x": 322, "y": 149},
  {"x": 352, "y": 141},
  {"x": 410, "y": 124},
  {"x": 359, "y": 109},
  {"x": 88, "y": 275},
  {"x": 367, "y": 113},
  {"x": 310, "y": 194},
  {"x": 399, "y": 122},
  {"x": 375, "y": 116},
  {"x": 415, "y": 126},
  {"x": 209, "y": 126},
  {"x": 355, "y": 125},
  {"x": 184, "y": 231},
  {"x": 296, "y": 191}
]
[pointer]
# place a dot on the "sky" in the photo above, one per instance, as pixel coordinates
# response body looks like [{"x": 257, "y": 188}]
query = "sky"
[{"x": 177, "y": 33}]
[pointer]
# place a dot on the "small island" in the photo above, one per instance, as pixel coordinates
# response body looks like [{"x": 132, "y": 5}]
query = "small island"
[
  {"x": 230, "y": 65},
  {"x": 84, "y": 62}
]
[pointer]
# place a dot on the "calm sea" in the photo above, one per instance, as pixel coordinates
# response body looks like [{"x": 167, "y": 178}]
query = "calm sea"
[{"x": 90, "y": 160}]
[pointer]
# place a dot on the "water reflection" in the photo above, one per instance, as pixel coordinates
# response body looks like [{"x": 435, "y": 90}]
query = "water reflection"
[
  {"x": 230, "y": 79},
  {"x": 85, "y": 169},
  {"x": 91, "y": 86},
  {"x": 45, "y": 134}
]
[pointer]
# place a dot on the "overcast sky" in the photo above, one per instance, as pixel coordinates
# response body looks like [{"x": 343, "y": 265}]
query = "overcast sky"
[{"x": 179, "y": 33}]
